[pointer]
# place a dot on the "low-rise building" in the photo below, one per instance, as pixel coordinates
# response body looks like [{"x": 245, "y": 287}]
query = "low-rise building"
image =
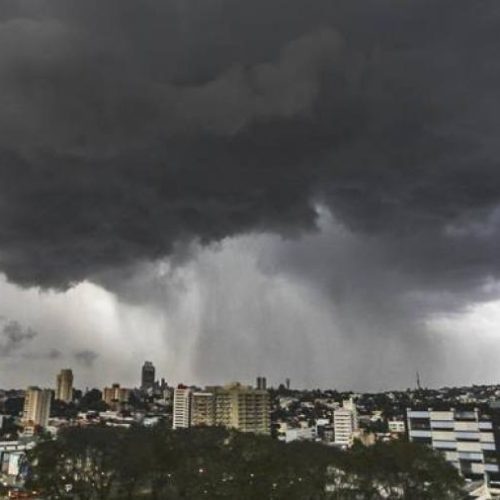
[
  {"x": 298, "y": 434},
  {"x": 396, "y": 426}
]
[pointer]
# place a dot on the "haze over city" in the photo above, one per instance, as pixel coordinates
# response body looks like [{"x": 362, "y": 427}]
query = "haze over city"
[{"x": 235, "y": 188}]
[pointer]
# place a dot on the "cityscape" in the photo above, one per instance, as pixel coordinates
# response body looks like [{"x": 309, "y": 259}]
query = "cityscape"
[
  {"x": 460, "y": 424},
  {"x": 249, "y": 250}
]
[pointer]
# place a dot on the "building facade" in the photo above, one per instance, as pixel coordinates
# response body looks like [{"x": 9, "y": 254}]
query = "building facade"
[
  {"x": 466, "y": 438},
  {"x": 345, "y": 424},
  {"x": 262, "y": 383},
  {"x": 64, "y": 386},
  {"x": 396, "y": 426},
  {"x": 36, "y": 409},
  {"x": 115, "y": 395},
  {"x": 147, "y": 376},
  {"x": 182, "y": 407},
  {"x": 243, "y": 408},
  {"x": 233, "y": 406},
  {"x": 203, "y": 409},
  {"x": 298, "y": 434}
]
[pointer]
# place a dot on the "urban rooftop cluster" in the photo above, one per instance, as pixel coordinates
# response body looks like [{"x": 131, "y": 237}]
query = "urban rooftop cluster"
[{"x": 463, "y": 424}]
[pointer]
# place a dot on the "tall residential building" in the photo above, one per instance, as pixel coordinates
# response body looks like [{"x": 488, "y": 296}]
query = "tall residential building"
[
  {"x": 203, "y": 409},
  {"x": 182, "y": 407},
  {"x": 36, "y": 410},
  {"x": 345, "y": 424},
  {"x": 349, "y": 404},
  {"x": 243, "y": 408},
  {"x": 64, "y": 386},
  {"x": 261, "y": 383},
  {"x": 233, "y": 406},
  {"x": 115, "y": 395},
  {"x": 466, "y": 438},
  {"x": 147, "y": 376}
]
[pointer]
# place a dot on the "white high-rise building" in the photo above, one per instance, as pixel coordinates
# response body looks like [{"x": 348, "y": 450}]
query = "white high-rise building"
[
  {"x": 345, "y": 424},
  {"x": 349, "y": 404},
  {"x": 36, "y": 410},
  {"x": 182, "y": 407}
]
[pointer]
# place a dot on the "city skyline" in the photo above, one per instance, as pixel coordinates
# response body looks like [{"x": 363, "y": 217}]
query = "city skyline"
[
  {"x": 259, "y": 382},
  {"x": 235, "y": 188}
]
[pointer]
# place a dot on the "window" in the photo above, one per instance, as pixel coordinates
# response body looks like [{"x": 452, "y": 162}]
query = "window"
[
  {"x": 420, "y": 424},
  {"x": 422, "y": 440}
]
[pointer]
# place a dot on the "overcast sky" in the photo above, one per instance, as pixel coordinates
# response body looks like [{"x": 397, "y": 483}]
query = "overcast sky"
[{"x": 233, "y": 188}]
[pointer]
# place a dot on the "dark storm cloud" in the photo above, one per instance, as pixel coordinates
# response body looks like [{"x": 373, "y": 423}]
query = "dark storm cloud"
[
  {"x": 13, "y": 336},
  {"x": 86, "y": 357},
  {"x": 127, "y": 131}
]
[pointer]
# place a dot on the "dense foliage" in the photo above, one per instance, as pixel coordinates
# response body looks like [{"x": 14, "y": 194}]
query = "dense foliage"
[{"x": 104, "y": 463}]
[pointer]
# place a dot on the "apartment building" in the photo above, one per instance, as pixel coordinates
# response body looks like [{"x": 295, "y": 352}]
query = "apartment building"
[
  {"x": 345, "y": 424},
  {"x": 465, "y": 437},
  {"x": 64, "y": 386},
  {"x": 115, "y": 395},
  {"x": 182, "y": 407},
  {"x": 36, "y": 409},
  {"x": 233, "y": 406},
  {"x": 203, "y": 409},
  {"x": 243, "y": 407}
]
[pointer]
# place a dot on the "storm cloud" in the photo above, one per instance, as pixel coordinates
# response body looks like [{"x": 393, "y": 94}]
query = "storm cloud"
[
  {"x": 13, "y": 337},
  {"x": 86, "y": 357},
  {"x": 126, "y": 130},
  {"x": 358, "y": 140}
]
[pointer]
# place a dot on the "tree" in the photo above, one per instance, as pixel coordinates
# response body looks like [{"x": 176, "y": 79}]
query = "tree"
[
  {"x": 136, "y": 460},
  {"x": 82, "y": 462},
  {"x": 92, "y": 400},
  {"x": 13, "y": 406},
  {"x": 48, "y": 471},
  {"x": 60, "y": 408},
  {"x": 406, "y": 470},
  {"x": 97, "y": 463}
]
